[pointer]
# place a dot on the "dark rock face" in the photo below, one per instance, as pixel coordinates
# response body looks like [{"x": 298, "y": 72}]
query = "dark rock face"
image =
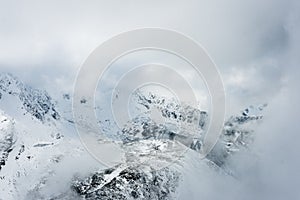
[
  {"x": 138, "y": 182},
  {"x": 7, "y": 140},
  {"x": 128, "y": 183},
  {"x": 36, "y": 102}
]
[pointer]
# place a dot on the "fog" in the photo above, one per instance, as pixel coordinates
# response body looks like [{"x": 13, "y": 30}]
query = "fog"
[{"x": 255, "y": 45}]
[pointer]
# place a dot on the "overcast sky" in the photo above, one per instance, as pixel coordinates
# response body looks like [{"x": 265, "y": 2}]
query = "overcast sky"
[
  {"x": 255, "y": 45},
  {"x": 51, "y": 39}
]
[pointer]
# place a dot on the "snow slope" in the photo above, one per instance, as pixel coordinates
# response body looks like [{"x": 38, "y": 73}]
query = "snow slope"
[{"x": 34, "y": 139}]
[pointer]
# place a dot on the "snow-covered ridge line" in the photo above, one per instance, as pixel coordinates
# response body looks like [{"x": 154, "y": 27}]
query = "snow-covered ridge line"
[{"x": 36, "y": 102}]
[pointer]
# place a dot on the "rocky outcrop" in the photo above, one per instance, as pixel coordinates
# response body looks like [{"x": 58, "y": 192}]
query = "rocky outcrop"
[{"x": 128, "y": 183}]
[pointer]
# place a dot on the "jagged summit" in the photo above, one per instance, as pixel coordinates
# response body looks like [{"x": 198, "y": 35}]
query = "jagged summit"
[
  {"x": 36, "y": 102},
  {"x": 32, "y": 140}
]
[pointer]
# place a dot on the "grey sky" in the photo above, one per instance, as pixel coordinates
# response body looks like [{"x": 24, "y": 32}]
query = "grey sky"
[{"x": 52, "y": 39}]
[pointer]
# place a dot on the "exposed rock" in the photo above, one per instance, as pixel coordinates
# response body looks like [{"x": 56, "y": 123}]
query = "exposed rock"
[{"x": 129, "y": 183}]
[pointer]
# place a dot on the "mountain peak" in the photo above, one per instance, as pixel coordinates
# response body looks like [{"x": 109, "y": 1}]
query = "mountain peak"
[{"x": 36, "y": 102}]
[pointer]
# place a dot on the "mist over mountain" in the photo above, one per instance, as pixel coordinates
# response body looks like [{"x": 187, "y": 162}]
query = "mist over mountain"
[
  {"x": 255, "y": 46},
  {"x": 42, "y": 157}
]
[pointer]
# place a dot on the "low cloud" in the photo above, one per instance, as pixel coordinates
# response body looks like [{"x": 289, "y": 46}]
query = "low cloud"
[{"x": 255, "y": 45}]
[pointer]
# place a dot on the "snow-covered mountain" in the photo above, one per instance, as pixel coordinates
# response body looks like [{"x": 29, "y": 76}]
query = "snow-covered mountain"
[
  {"x": 34, "y": 139},
  {"x": 41, "y": 156},
  {"x": 36, "y": 102}
]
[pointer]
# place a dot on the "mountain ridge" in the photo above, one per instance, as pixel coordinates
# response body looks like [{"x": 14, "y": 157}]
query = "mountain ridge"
[{"x": 35, "y": 141}]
